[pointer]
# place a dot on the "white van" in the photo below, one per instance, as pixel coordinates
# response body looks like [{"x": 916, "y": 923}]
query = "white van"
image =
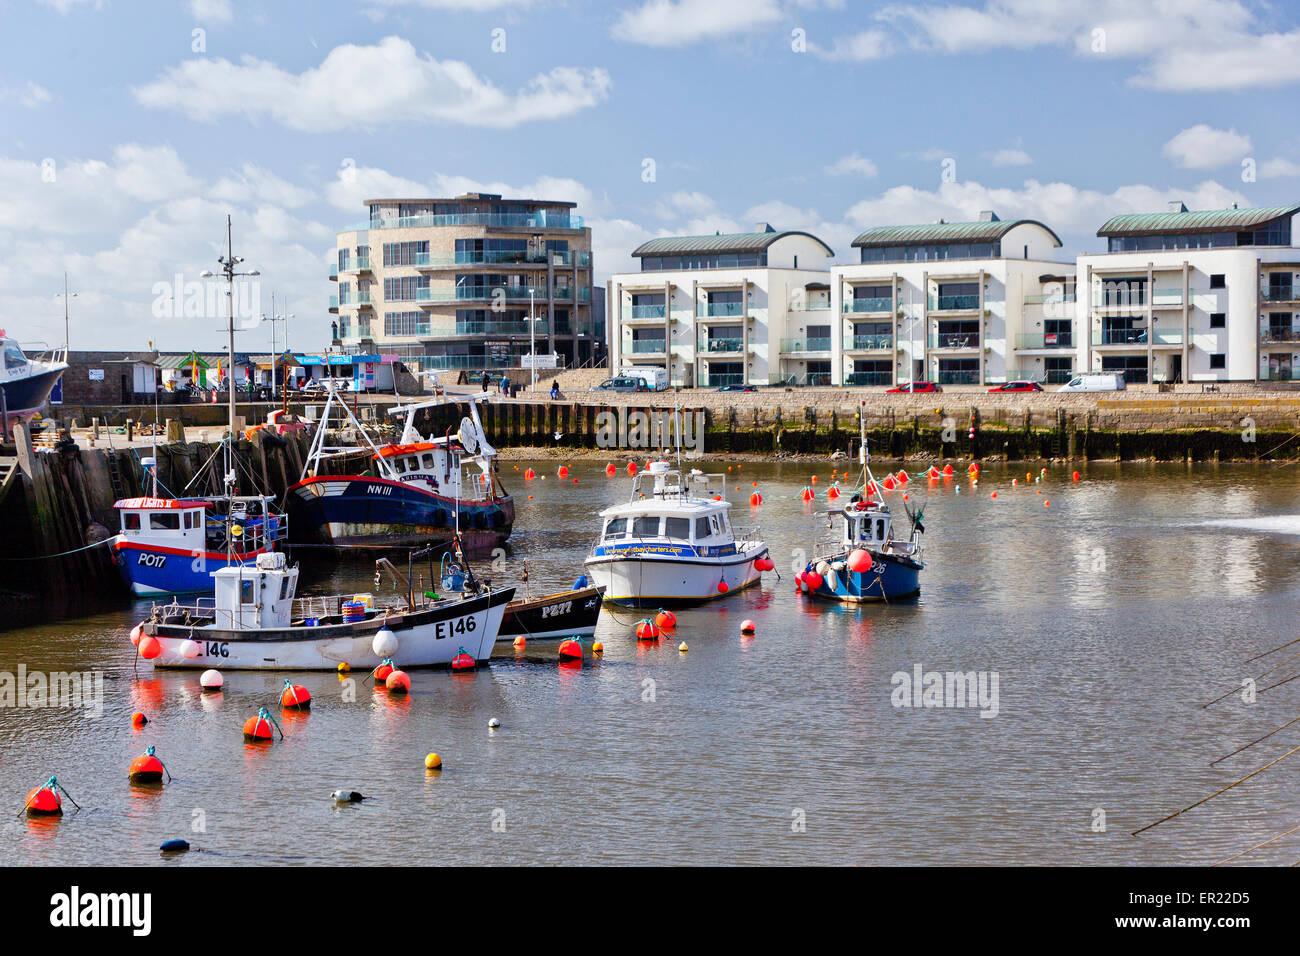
[
  {"x": 1095, "y": 382},
  {"x": 655, "y": 378}
]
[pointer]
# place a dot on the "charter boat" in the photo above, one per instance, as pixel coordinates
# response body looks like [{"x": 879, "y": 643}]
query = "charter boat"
[
  {"x": 674, "y": 543},
  {"x": 255, "y": 622},
  {"x": 865, "y": 561},
  {"x": 26, "y": 383},
  {"x": 420, "y": 489}
]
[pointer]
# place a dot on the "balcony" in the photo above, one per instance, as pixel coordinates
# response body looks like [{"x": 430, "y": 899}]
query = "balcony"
[
  {"x": 805, "y": 345},
  {"x": 540, "y": 219},
  {"x": 476, "y": 294},
  {"x": 725, "y": 346},
  {"x": 1276, "y": 335},
  {"x": 813, "y": 379},
  {"x": 359, "y": 264},
  {"x": 953, "y": 303},
  {"x": 466, "y": 361},
  {"x": 819, "y": 306},
  {"x": 865, "y": 305},
  {"x": 954, "y": 340},
  {"x": 542, "y": 327},
  {"x": 959, "y": 377},
  {"x": 1280, "y": 375},
  {"x": 1279, "y": 294},
  {"x": 636, "y": 313},
  {"x": 647, "y": 347},
  {"x": 497, "y": 257},
  {"x": 716, "y": 310},
  {"x": 1137, "y": 337},
  {"x": 868, "y": 343},
  {"x": 334, "y": 273},
  {"x": 1045, "y": 340},
  {"x": 1137, "y": 298},
  {"x": 1047, "y": 298},
  {"x": 334, "y": 303},
  {"x": 869, "y": 378},
  {"x": 1051, "y": 376}
]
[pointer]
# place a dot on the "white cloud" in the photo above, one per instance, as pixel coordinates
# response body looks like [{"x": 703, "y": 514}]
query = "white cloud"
[
  {"x": 1204, "y": 147},
  {"x": 859, "y": 47},
  {"x": 67, "y": 6},
  {"x": 1009, "y": 157},
  {"x": 253, "y": 183},
  {"x": 363, "y": 86},
  {"x": 1280, "y": 166},
  {"x": 683, "y": 22},
  {"x": 30, "y": 95},
  {"x": 212, "y": 11},
  {"x": 853, "y": 165}
]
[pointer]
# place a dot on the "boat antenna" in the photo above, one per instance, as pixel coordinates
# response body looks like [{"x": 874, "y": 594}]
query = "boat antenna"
[{"x": 864, "y": 454}]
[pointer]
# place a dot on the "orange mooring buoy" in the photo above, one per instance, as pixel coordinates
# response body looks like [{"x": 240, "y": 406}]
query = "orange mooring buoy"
[
  {"x": 665, "y": 619},
  {"x": 529, "y": 474},
  {"x": 259, "y": 728},
  {"x": 463, "y": 661},
  {"x": 398, "y": 682},
  {"x": 146, "y": 768},
  {"x": 571, "y": 650},
  {"x": 44, "y": 800},
  {"x": 610, "y": 470},
  {"x": 647, "y": 630},
  {"x": 295, "y": 696},
  {"x": 383, "y": 670},
  {"x": 564, "y": 471}
]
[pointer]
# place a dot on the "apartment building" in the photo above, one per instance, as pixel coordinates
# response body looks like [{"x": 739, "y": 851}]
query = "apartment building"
[
  {"x": 1186, "y": 296},
  {"x": 466, "y": 282},
  {"x": 744, "y": 308},
  {"x": 957, "y": 303}
]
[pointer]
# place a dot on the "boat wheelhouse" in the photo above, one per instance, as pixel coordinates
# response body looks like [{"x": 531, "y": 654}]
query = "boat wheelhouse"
[
  {"x": 674, "y": 544},
  {"x": 26, "y": 383},
  {"x": 417, "y": 490},
  {"x": 891, "y": 569}
]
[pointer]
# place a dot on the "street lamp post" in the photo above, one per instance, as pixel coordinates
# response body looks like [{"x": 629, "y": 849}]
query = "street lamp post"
[
  {"x": 228, "y": 269},
  {"x": 65, "y": 295},
  {"x": 532, "y": 336}
]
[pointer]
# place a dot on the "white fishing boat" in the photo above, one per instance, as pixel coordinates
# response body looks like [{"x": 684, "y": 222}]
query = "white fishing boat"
[
  {"x": 674, "y": 544},
  {"x": 255, "y": 622},
  {"x": 26, "y": 383}
]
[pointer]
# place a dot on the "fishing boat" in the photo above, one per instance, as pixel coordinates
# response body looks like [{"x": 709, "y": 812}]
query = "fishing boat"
[
  {"x": 175, "y": 545},
  {"x": 571, "y": 613},
  {"x": 864, "y": 561},
  {"x": 417, "y": 490},
  {"x": 673, "y": 543},
  {"x": 25, "y": 383},
  {"x": 255, "y": 622}
]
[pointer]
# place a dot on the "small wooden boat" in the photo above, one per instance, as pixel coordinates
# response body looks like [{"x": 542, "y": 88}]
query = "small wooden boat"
[{"x": 572, "y": 613}]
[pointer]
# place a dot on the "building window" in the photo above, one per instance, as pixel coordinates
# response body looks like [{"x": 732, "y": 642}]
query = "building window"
[
  {"x": 1218, "y": 320},
  {"x": 1218, "y": 360},
  {"x": 405, "y": 253},
  {"x": 404, "y": 288},
  {"x": 1218, "y": 281},
  {"x": 405, "y": 323}
]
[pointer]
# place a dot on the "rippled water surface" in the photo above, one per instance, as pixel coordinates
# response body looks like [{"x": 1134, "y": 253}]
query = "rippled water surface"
[{"x": 1109, "y": 618}]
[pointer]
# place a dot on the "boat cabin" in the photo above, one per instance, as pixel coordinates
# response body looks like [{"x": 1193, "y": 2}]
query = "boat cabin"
[
  {"x": 867, "y": 527},
  {"x": 171, "y": 522},
  {"x": 435, "y": 466},
  {"x": 670, "y": 516},
  {"x": 259, "y": 595}
]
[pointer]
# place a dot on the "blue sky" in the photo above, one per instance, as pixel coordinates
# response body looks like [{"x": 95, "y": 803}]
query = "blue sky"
[{"x": 127, "y": 140}]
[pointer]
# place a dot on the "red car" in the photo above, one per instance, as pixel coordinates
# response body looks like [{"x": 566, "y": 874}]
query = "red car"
[
  {"x": 1017, "y": 387},
  {"x": 914, "y": 387}
]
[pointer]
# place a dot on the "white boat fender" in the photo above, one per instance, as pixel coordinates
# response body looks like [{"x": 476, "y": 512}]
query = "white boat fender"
[
  {"x": 838, "y": 566},
  {"x": 831, "y": 580},
  {"x": 385, "y": 643},
  {"x": 823, "y": 568}
]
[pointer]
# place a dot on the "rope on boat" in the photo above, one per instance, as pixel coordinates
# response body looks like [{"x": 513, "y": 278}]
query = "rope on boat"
[{"x": 61, "y": 554}]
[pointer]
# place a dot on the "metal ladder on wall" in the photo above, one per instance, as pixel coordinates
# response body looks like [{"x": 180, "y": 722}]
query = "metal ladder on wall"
[{"x": 114, "y": 475}]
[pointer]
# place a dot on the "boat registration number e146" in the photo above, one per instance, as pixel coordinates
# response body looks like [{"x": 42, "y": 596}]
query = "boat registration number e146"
[
  {"x": 459, "y": 626},
  {"x": 216, "y": 649}
]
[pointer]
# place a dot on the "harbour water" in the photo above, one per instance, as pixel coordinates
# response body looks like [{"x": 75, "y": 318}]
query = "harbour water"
[{"x": 1108, "y": 619}]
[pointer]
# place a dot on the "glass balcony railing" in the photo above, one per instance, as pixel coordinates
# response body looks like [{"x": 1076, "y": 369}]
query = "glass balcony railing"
[
  {"x": 334, "y": 303},
  {"x": 821, "y": 305},
  {"x": 1046, "y": 298},
  {"x": 355, "y": 299},
  {"x": 1281, "y": 375},
  {"x": 359, "y": 264},
  {"x": 801, "y": 380},
  {"x": 648, "y": 346},
  {"x": 716, "y": 309},
  {"x": 1278, "y": 334},
  {"x": 959, "y": 377},
  {"x": 644, "y": 311},
  {"x": 509, "y": 257},
  {"x": 731, "y": 378},
  {"x": 953, "y": 303},
  {"x": 954, "y": 340},
  {"x": 1134, "y": 336},
  {"x": 1045, "y": 340},
  {"x": 542, "y": 327},
  {"x": 465, "y": 361},
  {"x": 867, "y": 304},
  {"x": 476, "y": 294},
  {"x": 334, "y": 273},
  {"x": 868, "y": 378},
  {"x": 1279, "y": 294},
  {"x": 867, "y": 342},
  {"x": 720, "y": 345},
  {"x": 539, "y": 219},
  {"x": 806, "y": 345}
]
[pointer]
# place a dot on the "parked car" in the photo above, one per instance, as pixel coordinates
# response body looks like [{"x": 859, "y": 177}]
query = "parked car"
[
  {"x": 1017, "y": 387},
  {"x": 737, "y": 388},
  {"x": 621, "y": 384},
  {"x": 912, "y": 387},
  {"x": 1095, "y": 382}
]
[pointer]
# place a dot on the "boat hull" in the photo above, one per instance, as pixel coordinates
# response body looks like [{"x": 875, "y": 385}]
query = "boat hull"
[
  {"x": 24, "y": 397},
  {"x": 641, "y": 578},
  {"x": 890, "y": 578},
  {"x": 426, "y": 638},
  {"x": 150, "y": 569},
  {"x": 357, "y": 511},
  {"x": 567, "y": 614}
]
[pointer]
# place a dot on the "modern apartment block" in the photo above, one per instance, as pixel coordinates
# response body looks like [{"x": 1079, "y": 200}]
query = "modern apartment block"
[
  {"x": 460, "y": 283},
  {"x": 1187, "y": 296},
  {"x": 744, "y": 308},
  {"x": 957, "y": 303}
]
